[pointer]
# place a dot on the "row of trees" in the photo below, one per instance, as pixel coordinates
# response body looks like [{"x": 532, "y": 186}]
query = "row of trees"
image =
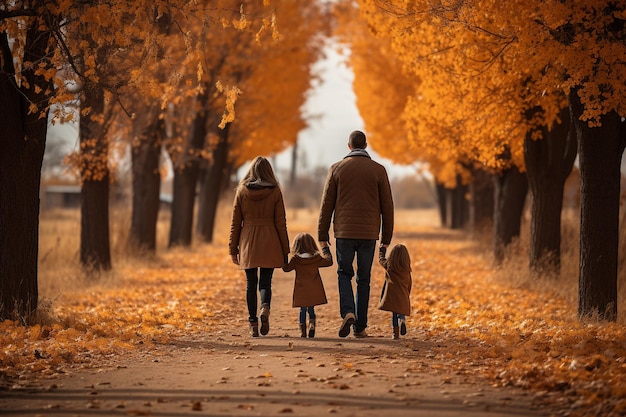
[
  {"x": 212, "y": 82},
  {"x": 513, "y": 90}
]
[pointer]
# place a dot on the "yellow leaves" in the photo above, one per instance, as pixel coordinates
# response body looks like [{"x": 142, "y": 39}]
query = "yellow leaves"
[
  {"x": 492, "y": 62},
  {"x": 199, "y": 72},
  {"x": 232, "y": 94},
  {"x": 32, "y": 108},
  {"x": 243, "y": 22},
  {"x": 269, "y": 24}
]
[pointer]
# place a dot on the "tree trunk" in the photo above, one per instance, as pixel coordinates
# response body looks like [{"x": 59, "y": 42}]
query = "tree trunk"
[
  {"x": 186, "y": 172},
  {"x": 146, "y": 186},
  {"x": 442, "y": 203},
  {"x": 95, "y": 252},
  {"x": 600, "y": 151},
  {"x": 294, "y": 165},
  {"x": 211, "y": 188},
  {"x": 22, "y": 144},
  {"x": 458, "y": 206},
  {"x": 481, "y": 206},
  {"x": 549, "y": 162},
  {"x": 511, "y": 187}
]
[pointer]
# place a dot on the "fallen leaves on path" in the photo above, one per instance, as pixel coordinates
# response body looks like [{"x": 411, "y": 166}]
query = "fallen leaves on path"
[
  {"x": 483, "y": 328},
  {"x": 515, "y": 336}
]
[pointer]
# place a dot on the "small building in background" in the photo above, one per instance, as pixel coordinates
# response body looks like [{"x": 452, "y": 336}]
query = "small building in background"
[{"x": 60, "y": 196}]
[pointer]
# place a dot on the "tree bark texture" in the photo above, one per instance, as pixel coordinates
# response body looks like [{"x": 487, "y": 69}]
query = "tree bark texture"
[
  {"x": 186, "y": 172},
  {"x": 549, "y": 162},
  {"x": 511, "y": 188},
  {"x": 457, "y": 205},
  {"x": 294, "y": 164},
  {"x": 146, "y": 186},
  {"x": 442, "y": 203},
  {"x": 211, "y": 188},
  {"x": 95, "y": 252},
  {"x": 22, "y": 145},
  {"x": 600, "y": 151},
  {"x": 481, "y": 206}
]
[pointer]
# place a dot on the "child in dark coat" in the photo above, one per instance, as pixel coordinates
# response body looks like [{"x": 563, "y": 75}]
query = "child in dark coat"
[
  {"x": 308, "y": 288},
  {"x": 396, "y": 291}
]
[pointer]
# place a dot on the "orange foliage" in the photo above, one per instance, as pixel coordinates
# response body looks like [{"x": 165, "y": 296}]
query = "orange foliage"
[
  {"x": 479, "y": 67},
  {"x": 243, "y": 53}
]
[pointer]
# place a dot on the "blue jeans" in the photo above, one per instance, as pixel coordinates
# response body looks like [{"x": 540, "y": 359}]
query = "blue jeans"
[
  {"x": 346, "y": 250},
  {"x": 261, "y": 277},
  {"x": 395, "y": 319},
  {"x": 303, "y": 311}
]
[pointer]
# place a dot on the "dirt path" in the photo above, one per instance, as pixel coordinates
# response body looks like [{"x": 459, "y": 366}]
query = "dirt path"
[{"x": 227, "y": 373}]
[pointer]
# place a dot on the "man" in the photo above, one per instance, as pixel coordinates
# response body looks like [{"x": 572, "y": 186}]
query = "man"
[{"x": 357, "y": 197}]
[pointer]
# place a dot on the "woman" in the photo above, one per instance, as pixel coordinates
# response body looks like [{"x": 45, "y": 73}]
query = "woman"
[{"x": 258, "y": 237}]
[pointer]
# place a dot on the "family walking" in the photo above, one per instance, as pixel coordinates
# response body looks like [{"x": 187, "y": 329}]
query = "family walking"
[{"x": 357, "y": 200}]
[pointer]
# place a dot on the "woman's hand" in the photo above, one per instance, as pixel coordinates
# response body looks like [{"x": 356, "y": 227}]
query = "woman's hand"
[{"x": 235, "y": 259}]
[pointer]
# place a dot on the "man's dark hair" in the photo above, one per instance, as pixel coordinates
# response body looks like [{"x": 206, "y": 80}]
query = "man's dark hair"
[{"x": 357, "y": 140}]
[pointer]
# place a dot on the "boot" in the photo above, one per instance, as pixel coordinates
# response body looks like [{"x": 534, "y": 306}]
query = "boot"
[
  {"x": 265, "y": 319},
  {"x": 302, "y": 329},
  {"x": 311, "y": 328},
  {"x": 254, "y": 329},
  {"x": 396, "y": 332},
  {"x": 402, "y": 327}
]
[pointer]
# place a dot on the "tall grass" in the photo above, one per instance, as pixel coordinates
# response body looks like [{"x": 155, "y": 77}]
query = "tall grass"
[
  {"x": 515, "y": 269},
  {"x": 59, "y": 250}
]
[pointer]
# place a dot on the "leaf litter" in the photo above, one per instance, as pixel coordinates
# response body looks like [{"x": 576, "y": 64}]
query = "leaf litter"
[{"x": 482, "y": 329}]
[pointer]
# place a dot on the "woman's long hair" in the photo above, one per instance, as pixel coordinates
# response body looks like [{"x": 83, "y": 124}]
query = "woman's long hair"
[
  {"x": 260, "y": 169},
  {"x": 304, "y": 243},
  {"x": 399, "y": 259}
]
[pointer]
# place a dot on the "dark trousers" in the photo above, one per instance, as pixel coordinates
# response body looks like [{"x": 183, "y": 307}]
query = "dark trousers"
[
  {"x": 395, "y": 319},
  {"x": 260, "y": 278},
  {"x": 364, "y": 250},
  {"x": 303, "y": 311}
]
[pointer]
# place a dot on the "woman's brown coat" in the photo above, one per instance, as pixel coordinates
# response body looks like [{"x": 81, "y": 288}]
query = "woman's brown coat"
[
  {"x": 396, "y": 292},
  {"x": 308, "y": 288},
  {"x": 258, "y": 229}
]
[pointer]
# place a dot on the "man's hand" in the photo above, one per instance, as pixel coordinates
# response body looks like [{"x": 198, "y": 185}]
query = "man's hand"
[{"x": 324, "y": 244}]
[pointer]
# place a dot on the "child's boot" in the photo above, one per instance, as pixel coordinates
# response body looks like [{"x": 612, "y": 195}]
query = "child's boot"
[
  {"x": 396, "y": 332},
  {"x": 254, "y": 328},
  {"x": 312, "y": 328},
  {"x": 402, "y": 326},
  {"x": 302, "y": 329}
]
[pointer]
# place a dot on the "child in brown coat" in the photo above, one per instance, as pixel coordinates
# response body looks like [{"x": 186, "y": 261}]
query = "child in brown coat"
[
  {"x": 308, "y": 288},
  {"x": 396, "y": 291}
]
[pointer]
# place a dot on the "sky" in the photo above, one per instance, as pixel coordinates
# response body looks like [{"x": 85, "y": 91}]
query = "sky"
[{"x": 332, "y": 106}]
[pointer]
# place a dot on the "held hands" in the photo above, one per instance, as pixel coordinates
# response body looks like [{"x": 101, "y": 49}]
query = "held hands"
[{"x": 382, "y": 251}]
